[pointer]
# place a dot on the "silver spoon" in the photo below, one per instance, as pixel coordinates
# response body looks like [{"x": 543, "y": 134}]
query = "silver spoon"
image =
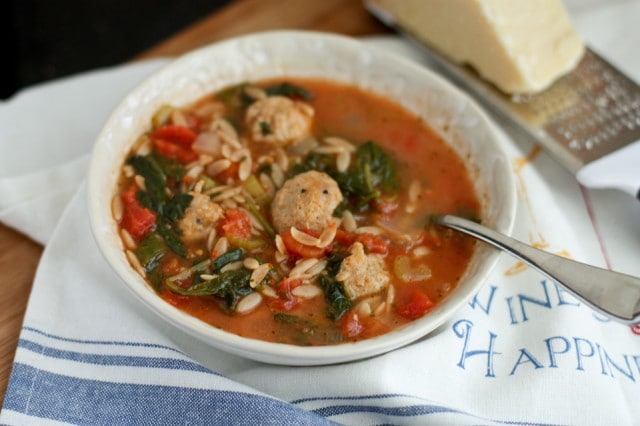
[{"x": 613, "y": 294}]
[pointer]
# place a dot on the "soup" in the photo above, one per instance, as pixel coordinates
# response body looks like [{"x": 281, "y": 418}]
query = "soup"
[{"x": 295, "y": 211}]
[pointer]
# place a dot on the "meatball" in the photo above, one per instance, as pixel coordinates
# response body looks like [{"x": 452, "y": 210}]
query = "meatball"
[
  {"x": 278, "y": 120},
  {"x": 199, "y": 218},
  {"x": 362, "y": 274},
  {"x": 306, "y": 201}
]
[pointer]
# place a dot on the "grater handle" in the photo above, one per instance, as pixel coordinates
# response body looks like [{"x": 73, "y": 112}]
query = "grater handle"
[{"x": 619, "y": 169}]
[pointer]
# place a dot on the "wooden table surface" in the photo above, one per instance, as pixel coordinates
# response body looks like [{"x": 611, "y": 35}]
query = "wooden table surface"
[{"x": 19, "y": 255}]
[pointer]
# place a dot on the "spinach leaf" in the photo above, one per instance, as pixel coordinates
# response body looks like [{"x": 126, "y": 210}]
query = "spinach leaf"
[
  {"x": 174, "y": 209},
  {"x": 230, "y": 286},
  {"x": 169, "y": 166},
  {"x": 334, "y": 294},
  {"x": 171, "y": 236},
  {"x": 320, "y": 162},
  {"x": 302, "y": 330},
  {"x": 155, "y": 171},
  {"x": 379, "y": 168},
  {"x": 340, "y": 208},
  {"x": 300, "y": 324},
  {"x": 233, "y": 285},
  {"x": 150, "y": 251},
  {"x": 289, "y": 90},
  {"x": 372, "y": 173},
  {"x": 156, "y": 278},
  {"x": 286, "y": 318},
  {"x": 194, "y": 271},
  {"x": 228, "y": 257},
  {"x": 154, "y": 181},
  {"x": 235, "y": 97},
  {"x": 334, "y": 261}
]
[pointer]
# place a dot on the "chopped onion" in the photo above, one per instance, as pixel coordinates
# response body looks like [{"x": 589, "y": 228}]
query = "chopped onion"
[
  {"x": 207, "y": 143},
  {"x": 405, "y": 272}
]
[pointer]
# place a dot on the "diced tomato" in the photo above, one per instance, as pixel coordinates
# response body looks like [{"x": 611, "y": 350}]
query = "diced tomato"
[
  {"x": 635, "y": 329},
  {"x": 187, "y": 180},
  {"x": 418, "y": 305},
  {"x": 179, "y": 135},
  {"x": 173, "y": 150},
  {"x": 351, "y": 325},
  {"x": 137, "y": 220},
  {"x": 287, "y": 301},
  {"x": 297, "y": 248},
  {"x": 230, "y": 172},
  {"x": 236, "y": 223},
  {"x": 372, "y": 243},
  {"x": 345, "y": 238},
  {"x": 175, "y": 142},
  {"x": 285, "y": 286}
]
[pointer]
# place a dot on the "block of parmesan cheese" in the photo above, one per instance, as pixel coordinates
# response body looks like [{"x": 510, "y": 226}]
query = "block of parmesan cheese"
[{"x": 521, "y": 46}]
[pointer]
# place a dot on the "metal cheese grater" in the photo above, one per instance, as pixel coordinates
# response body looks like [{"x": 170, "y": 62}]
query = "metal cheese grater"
[{"x": 589, "y": 119}]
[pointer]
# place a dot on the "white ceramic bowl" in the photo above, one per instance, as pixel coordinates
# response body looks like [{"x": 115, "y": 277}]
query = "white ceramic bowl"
[{"x": 303, "y": 54}]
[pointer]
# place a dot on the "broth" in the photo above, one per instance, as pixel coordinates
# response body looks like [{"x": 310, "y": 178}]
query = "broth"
[{"x": 295, "y": 211}]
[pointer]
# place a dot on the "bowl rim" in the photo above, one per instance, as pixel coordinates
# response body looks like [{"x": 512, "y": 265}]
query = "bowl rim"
[{"x": 272, "y": 352}]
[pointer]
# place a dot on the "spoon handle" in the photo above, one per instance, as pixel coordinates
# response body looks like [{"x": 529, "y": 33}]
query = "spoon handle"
[{"x": 613, "y": 294}]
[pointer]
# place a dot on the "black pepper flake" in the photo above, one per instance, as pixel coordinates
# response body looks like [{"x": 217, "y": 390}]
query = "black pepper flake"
[{"x": 265, "y": 128}]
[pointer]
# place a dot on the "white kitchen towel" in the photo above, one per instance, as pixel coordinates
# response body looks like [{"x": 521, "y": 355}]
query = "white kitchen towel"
[
  {"x": 47, "y": 132},
  {"x": 522, "y": 351}
]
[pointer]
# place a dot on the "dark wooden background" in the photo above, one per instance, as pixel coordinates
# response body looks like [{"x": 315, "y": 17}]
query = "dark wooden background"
[{"x": 44, "y": 39}]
